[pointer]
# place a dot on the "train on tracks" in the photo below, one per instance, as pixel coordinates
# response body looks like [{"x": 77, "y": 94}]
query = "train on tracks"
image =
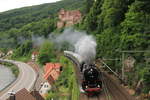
[{"x": 92, "y": 79}]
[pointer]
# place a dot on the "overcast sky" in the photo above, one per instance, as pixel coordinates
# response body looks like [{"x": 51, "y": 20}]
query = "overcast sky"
[{"x": 11, "y": 4}]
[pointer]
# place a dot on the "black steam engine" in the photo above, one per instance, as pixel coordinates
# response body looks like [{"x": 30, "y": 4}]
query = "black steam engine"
[
  {"x": 92, "y": 81},
  {"x": 92, "y": 77}
]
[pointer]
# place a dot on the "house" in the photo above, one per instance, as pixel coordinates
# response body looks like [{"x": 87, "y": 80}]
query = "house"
[
  {"x": 24, "y": 94},
  {"x": 45, "y": 87},
  {"x": 36, "y": 95},
  {"x": 68, "y": 18},
  {"x": 34, "y": 55},
  {"x": 2, "y": 54},
  {"x": 52, "y": 72},
  {"x": 10, "y": 52},
  {"x": 129, "y": 63}
]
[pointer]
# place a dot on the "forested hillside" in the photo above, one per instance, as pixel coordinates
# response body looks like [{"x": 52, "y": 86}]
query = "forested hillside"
[
  {"x": 20, "y": 24},
  {"x": 19, "y": 17},
  {"x": 122, "y": 30}
]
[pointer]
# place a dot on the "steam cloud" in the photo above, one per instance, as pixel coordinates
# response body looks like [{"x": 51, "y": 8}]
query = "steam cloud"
[
  {"x": 38, "y": 40},
  {"x": 86, "y": 48},
  {"x": 84, "y": 44},
  {"x": 80, "y": 42}
]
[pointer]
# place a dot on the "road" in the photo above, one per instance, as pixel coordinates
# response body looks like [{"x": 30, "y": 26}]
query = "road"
[
  {"x": 26, "y": 79},
  {"x": 40, "y": 74}
]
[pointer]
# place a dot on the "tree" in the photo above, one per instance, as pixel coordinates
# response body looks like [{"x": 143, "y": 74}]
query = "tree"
[
  {"x": 137, "y": 18},
  {"x": 147, "y": 81},
  {"x": 113, "y": 12},
  {"x": 23, "y": 50},
  {"x": 46, "y": 53},
  {"x": 135, "y": 26},
  {"x": 89, "y": 4},
  {"x": 91, "y": 19}
]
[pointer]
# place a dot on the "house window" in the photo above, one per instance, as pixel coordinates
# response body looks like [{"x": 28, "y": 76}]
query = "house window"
[
  {"x": 61, "y": 68},
  {"x": 41, "y": 92}
]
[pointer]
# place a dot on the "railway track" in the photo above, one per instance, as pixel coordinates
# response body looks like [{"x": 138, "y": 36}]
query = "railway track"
[
  {"x": 79, "y": 79},
  {"x": 99, "y": 97},
  {"x": 116, "y": 91},
  {"x": 104, "y": 95},
  {"x": 111, "y": 89}
]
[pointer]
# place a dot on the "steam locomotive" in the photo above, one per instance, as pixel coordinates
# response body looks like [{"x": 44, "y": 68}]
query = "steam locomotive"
[
  {"x": 91, "y": 75},
  {"x": 92, "y": 81}
]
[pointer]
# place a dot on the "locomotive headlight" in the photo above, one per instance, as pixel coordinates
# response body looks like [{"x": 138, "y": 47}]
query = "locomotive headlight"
[{"x": 86, "y": 86}]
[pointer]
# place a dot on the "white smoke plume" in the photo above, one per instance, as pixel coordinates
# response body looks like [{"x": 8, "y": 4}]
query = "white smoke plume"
[
  {"x": 38, "y": 40},
  {"x": 86, "y": 48},
  {"x": 80, "y": 42},
  {"x": 84, "y": 44},
  {"x": 70, "y": 35}
]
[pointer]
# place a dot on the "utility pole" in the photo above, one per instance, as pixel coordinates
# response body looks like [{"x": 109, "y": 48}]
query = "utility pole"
[{"x": 123, "y": 58}]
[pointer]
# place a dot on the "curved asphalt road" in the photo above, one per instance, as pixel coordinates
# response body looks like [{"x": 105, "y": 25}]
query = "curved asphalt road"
[{"x": 26, "y": 79}]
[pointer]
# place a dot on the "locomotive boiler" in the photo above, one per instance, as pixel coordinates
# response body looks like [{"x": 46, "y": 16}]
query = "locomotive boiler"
[{"x": 92, "y": 81}]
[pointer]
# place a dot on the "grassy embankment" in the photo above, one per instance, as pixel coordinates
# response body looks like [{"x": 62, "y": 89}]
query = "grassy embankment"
[{"x": 23, "y": 59}]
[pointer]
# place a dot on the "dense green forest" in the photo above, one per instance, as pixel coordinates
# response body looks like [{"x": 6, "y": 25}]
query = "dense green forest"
[
  {"x": 118, "y": 25},
  {"x": 21, "y": 24},
  {"x": 122, "y": 25},
  {"x": 20, "y": 17}
]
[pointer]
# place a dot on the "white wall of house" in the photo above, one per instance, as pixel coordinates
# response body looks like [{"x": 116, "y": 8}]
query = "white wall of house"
[
  {"x": 2, "y": 54},
  {"x": 45, "y": 87}
]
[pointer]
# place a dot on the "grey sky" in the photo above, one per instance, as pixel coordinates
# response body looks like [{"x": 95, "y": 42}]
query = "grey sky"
[{"x": 12, "y": 4}]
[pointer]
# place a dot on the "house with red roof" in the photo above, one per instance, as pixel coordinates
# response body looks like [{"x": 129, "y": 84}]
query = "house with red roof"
[{"x": 52, "y": 72}]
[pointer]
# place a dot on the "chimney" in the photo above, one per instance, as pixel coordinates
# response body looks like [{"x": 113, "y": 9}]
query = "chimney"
[{"x": 12, "y": 96}]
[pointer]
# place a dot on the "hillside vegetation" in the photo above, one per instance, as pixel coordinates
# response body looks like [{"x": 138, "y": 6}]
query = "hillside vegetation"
[
  {"x": 21, "y": 24},
  {"x": 122, "y": 25},
  {"x": 118, "y": 25},
  {"x": 18, "y": 17}
]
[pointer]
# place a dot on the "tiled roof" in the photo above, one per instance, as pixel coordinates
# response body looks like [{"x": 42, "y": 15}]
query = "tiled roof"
[
  {"x": 37, "y": 95},
  {"x": 23, "y": 94},
  {"x": 49, "y": 68},
  {"x": 35, "y": 53},
  {"x": 57, "y": 65}
]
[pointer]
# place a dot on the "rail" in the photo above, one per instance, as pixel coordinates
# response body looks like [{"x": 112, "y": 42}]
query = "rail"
[
  {"x": 77, "y": 61},
  {"x": 122, "y": 81}
]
